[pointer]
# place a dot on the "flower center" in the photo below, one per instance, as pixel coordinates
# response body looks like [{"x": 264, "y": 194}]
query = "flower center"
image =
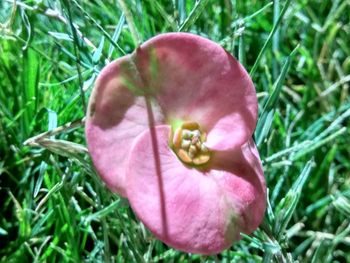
[{"x": 188, "y": 143}]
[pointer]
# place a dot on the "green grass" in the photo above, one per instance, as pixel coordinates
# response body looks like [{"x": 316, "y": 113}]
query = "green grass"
[{"x": 53, "y": 206}]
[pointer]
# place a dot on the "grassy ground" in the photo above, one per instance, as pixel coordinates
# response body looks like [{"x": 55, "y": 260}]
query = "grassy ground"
[{"x": 53, "y": 206}]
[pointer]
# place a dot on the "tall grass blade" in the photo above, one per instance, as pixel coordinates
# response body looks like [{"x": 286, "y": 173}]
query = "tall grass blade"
[
  {"x": 269, "y": 38},
  {"x": 288, "y": 204},
  {"x": 194, "y": 15},
  {"x": 265, "y": 119}
]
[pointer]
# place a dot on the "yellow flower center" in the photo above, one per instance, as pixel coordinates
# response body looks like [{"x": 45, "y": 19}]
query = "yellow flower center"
[{"x": 189, "y": 146}]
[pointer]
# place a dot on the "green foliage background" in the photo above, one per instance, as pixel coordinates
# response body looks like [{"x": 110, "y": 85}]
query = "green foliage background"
[{"x": 53, "y": 206}]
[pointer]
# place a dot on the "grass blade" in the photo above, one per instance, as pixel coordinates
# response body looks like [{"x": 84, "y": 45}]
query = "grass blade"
[
  {"x": 288, "y": 204},
  {"x": 31, "y": 74},
  {"x": 265, "y": 120},
  {"x": 269, "y": 38},
  {"x": 194, "y": 15}
]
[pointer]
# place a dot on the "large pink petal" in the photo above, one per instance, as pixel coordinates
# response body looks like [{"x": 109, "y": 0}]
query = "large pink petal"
[
  {"x": 114, "y": 119},
  {"x": 197, "y": 80},
  {"x": 245, "y": 164},
  {"x": 188, "y": 209}
]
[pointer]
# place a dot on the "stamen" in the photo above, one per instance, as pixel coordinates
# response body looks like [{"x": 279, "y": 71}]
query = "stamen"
[
  {"x": 192, "y": 151},
  {"x": 196, "y": 133},
  {"x": 185, "y": 144},
  {"x": 194, "y": 140},
  {"x": 201, "y": 159},
  {"x": 186, "y": 134},
  {"x": 188, "y": 143},
  {"x": 204, "y": 148},
  {"x": 183, "y": 155}
]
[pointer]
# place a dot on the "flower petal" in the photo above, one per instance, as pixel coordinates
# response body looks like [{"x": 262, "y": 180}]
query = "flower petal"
[
  {"x": 245, "y": 164},
  {"x": 195, "y": 79},
  {"x": 114, "y": 119},
  {"x": 189, "y": 209}
]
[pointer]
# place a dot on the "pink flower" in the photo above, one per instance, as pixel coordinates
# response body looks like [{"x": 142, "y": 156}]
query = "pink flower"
[{"x": 169, "y": 127}]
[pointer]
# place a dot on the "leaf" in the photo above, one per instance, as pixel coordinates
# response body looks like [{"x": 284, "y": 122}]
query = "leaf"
[
  {"x": 194, "y": 15},
  {"x": 342, "y": 204},
  {"x": 61, "y": 36},
  {"x": 3, "y": 232},
  {"x": 287, "y": 205},
  {"x": 31, "y": 73},
  {"x": 116, "y": 34},
  {"x": 265, "y": 120},
  {"x": 42, "y": 170},
  {"x": 98, "y": 52},
  {"x": 269, "y": 38},
  {"x": 103, "y": 212}
]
